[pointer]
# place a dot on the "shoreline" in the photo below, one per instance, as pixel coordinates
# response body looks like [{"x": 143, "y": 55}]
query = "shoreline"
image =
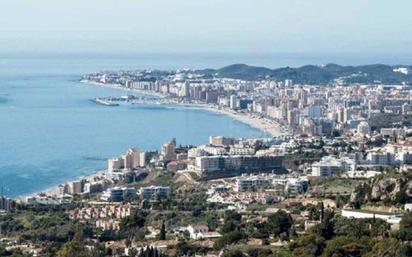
[
  {"x": 265, "y": 126},
  {"x": 271, "y": 127},
  {"x": 262, "y": 124},
  {"x": 53, "y": 191},
  {"x": 120, "y": 87}
]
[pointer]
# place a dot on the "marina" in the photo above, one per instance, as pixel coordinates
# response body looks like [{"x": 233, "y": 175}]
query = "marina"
[{"x": 104, "y": 102}]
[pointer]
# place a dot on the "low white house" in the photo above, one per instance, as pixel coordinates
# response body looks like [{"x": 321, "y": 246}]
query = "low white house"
[
  {"x": 201, "y": 232},
  {"x": 392, "y": 219},
  {"x": 362, "y": 174}
]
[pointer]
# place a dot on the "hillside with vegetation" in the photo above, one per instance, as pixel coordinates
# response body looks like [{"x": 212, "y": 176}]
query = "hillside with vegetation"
[{"x": 316, "y": 74}]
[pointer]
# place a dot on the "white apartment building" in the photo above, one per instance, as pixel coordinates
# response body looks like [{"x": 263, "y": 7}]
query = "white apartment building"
[
  {"x": 252, "y": 183},
  {"x": 392, "y": 132},
  {"x": 329, "y": 165},
  {"x": 114, "y": 164},
  {"x": 155, "y": 191},
  {"x": 130, "y": 160},
  {"x": 380, "y": 158},
  {"x": 240, "y": 150}
]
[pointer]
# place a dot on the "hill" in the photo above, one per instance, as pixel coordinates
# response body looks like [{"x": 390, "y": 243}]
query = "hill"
[{"x": 314, "y": 74}]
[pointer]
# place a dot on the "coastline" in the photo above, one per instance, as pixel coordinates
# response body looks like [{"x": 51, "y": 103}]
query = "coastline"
[
  {"x": 53, "y": 191},
  {"x": 264, "y": 125},
  {"x": 120, "y": 87}
]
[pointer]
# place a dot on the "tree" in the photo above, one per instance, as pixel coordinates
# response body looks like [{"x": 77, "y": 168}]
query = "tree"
[
  {"x": 280, "y": 222},
  {"x": 131, "y": 225},
  {"x": 151, "y": 252},
  {"x": 162, "y": 235},
  {"x": 212, "y": 220},
  {"x": 74, "y": 248},
  {"x": 257, "y": 229},
  {"x": 401, "y": 197},
  {"x": 326, "y": 228},
  {"x": 339, "y": 201},
  {"x": 233, "y": 253},
  {"x": 230, "y": 226},
  {"x": 232, "y": 216},
  {"x": 405, "y": 227},
  {"x": 134, "y": 220},
  {"x": 77, "y": 247},
  {"x": 2, "y": 250},
  {"x": 322, "y": 211},
  {"x": 259, "y": 252},
  {"x": 229, "y": 238},
  {"x": 308, "y": 245},
  {"x": 351, "y": 227},
  {"x": 381, "y": 248},
  {"x": 197, "y": 211},
  {"x": 183, "y": 248},
  {"x": 314, "y": 213},
  {"x": 379, "y": 228},
  {"x": 348, "y": 246}
]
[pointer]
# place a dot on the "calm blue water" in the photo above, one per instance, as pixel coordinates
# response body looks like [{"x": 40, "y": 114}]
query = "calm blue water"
[{"x": 50, "y": 132}]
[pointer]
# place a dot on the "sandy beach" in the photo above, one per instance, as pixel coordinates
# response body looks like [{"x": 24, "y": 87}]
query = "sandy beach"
[
  {"x": 54, "y": 190},
  {"x": 265, "y": 125}
]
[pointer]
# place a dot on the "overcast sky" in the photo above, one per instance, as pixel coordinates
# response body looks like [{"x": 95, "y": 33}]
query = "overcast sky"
[{"x": 176, "y": 26}]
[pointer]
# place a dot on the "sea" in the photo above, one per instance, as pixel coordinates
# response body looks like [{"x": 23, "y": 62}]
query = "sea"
[{"x": 50, "y": 131}]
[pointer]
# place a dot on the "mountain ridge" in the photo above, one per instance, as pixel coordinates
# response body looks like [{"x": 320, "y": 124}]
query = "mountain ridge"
[{"x": 317, "y": 74}]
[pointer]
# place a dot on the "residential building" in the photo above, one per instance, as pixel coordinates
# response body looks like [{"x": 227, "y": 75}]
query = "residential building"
[{"x": 154, "y": 192}]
